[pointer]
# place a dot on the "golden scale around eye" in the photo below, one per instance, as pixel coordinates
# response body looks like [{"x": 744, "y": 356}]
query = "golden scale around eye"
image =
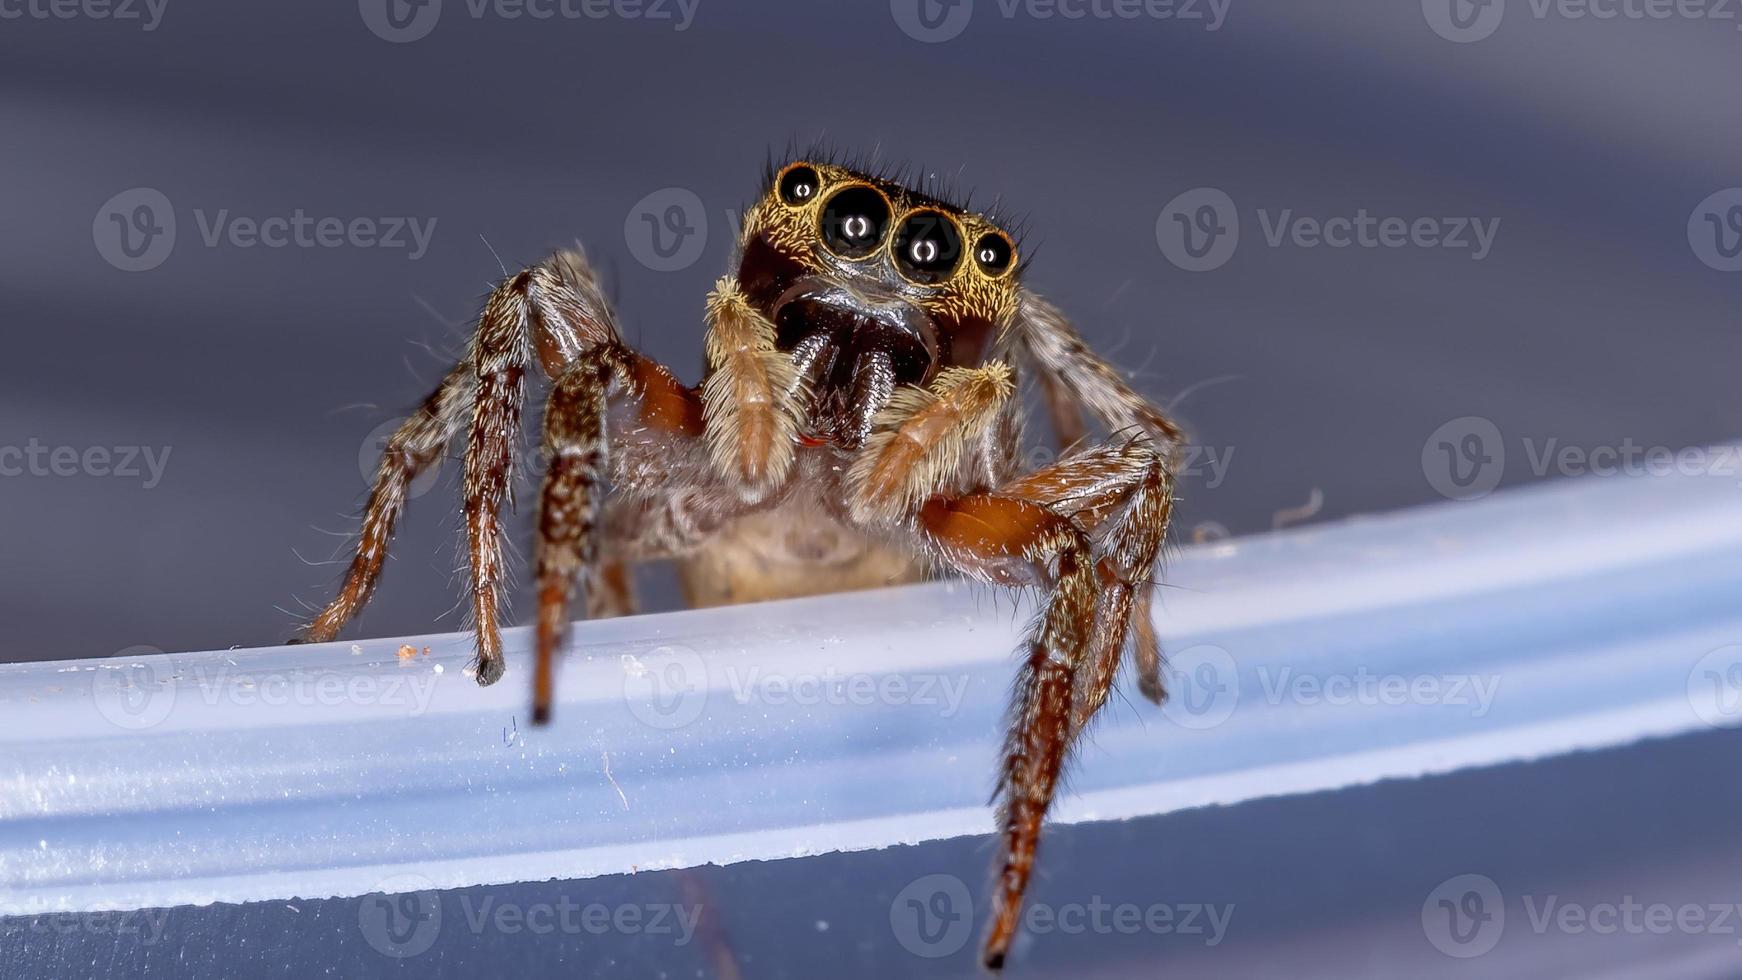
[{"x": 793, "y": 190}]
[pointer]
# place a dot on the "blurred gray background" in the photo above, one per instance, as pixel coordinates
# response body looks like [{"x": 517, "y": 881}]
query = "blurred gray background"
[
  {"x": 1600, "y": 316},
  {"x": 264, "y": 373}
]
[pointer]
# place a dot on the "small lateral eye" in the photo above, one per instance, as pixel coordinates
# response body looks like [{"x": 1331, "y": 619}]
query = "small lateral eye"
[
  {"x": 799, "y": 185},
  {"x": 854, "y": 221},
  {"x": 927, "y": 247},
  {"x": 993, "y": 253}
]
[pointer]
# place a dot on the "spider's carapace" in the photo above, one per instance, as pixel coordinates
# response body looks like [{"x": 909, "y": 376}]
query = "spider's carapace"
[{"x": 857, "y": 423}]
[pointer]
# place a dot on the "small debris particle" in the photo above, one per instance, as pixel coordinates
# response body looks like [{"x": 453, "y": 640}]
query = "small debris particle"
[
  {"x": 407, "y": 651},
  {"x": 356, "y": 650}
]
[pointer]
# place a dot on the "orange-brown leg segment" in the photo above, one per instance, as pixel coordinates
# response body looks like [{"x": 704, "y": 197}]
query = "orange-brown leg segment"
[
  {"x": 574, "y": 451},
  {"x": 1123, "y": 495},
  {"x": 414, "y": 446},
  {"x": 578, "y": 449},
  {"x": 1073, "y": 377},
  {"x": 1003, "y": 538}
]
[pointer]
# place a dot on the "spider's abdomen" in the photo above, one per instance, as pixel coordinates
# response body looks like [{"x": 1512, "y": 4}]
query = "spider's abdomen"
[{"x": 786, "y": 553}]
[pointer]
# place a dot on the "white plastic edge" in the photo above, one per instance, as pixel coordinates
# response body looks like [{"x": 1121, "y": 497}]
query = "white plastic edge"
[{"x": 1567, "y": 616}]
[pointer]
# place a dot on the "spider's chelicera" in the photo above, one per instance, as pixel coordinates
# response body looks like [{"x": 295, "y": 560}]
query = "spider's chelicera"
[{"x": 857, "y": 424}]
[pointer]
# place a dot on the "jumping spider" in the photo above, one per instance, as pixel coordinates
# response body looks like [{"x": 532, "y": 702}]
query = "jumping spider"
[{"x": 857, "y": 424}]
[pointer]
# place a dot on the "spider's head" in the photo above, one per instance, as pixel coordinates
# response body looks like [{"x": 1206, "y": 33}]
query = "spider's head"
[{"x": 871, "y": 285}]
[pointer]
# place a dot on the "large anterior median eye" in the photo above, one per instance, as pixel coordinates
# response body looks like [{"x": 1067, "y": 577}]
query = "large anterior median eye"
[
  {"x": 854, "y": 221},
  {"x": 927, "y": 247}
]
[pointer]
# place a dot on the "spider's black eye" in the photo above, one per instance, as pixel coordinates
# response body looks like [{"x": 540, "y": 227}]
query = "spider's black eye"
[
  {"x": 993, "y": 253},
  {"x": 927, "y": 247},
  {"x": 799, "y": 185},
  {"x": 854, "y": 222}
]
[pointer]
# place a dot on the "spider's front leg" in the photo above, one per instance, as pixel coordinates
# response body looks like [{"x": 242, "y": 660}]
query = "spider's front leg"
[
  {"x": 555, "y": 313},
  {"x": 1089, "y": 529},
  {"x": 991, "y": 535},
  {"x": 1122, "y": 494},
  {"x": 681, "y": 462},
  {"x": 1073, "y": 378},
  {"x": 612, "y": 412}
]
